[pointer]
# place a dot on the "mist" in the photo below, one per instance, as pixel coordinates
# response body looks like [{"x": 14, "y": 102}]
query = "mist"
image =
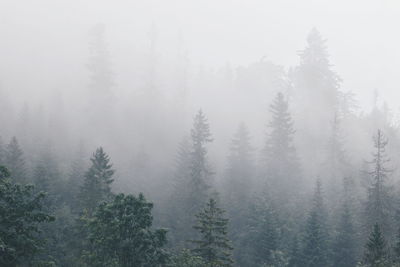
[{"x": 279, "y": 117}]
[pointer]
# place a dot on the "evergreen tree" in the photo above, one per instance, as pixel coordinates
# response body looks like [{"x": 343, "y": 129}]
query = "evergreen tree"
[
  {"x": 344, "y": 246},
  {"x": 295, "y": 257},
  {"x": 185, "y": 258},
  {"x": 238, "y": 183},
  {"x": 315, "y": 242},
  {"x": 378, "y": 208},
  {"x": 281, "y": 160},
  {"x": 261, "y": 234},
  {"x": 213, "y": 246},
  {"x": 120, "y": 234},
  {"x": 21, "y": 214},
  {"x": 376, "y": 254},
  {"x": 239, "y": 174},
  {"x": 96, "y": 186},
  {"x": 192, "y": 183},
  {"x": 199, "y": 169},
  {"x": 316, "y": 93},
  {"x": 15, "y": 162}
]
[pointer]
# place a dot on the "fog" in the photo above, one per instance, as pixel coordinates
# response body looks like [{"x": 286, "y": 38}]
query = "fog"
[{"x": 133, "y": 76}]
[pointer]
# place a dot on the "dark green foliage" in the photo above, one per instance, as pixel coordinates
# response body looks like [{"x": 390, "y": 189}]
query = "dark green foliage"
[
  {"x": 21, "y": 213},
  {"x": 186, "y": 259},
  {"x": 376, "y": 254},
  {"x": 14, "y": 161},
  {"x": 96, "y": 187},
  {"x": 120, "y": 234},
  {"x": 262, "y": 235},
  {"x": 315, "y": 241},
  {"x": 213, "y": 245}
]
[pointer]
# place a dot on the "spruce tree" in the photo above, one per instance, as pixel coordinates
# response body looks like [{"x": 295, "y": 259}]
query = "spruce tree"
[
  {"x": 281, "y": 165},
  {"x": 192, "y": 180},
  {"x": 213, "y": 245},
  {"x": 376, "y": 254},
  {"x": 378, "y": 208},
  {"x": 120, "y": 234},
  {"x": 97, "y": 184},
  {"x": 239, "y": 178},
  {"x": 199, "y": 170},
  {"x": 261, "y": 234},
  {"x": 15, "y": 162},
  {"x": 316, "y": 93},
  {"x": 315, "y": 240}
]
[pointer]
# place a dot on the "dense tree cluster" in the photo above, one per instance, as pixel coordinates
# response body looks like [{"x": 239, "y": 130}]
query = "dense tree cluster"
[{"x": 64, "y": 208}]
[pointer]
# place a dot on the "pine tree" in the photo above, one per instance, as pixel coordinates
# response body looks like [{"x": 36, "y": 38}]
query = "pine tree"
[
  {"x": 192, "y": 182},
  {"x": 15, "y": 162},
  {"x": 213, "y": 246},
  {"x": 120, "y": 234},
  {"x": 281, "y": 160},
  {"x": 96, "y": 187},
  {"x": 344, "y": 246},
  {"x": 261, "y": 234},
  {"x": 316, "y": 93},
  {"x": 199, "y": 170},
  {"x": 376, "y": 254},
  {"x": 315, "y": 241},
  {"x": 239, "y": 179},
  {"x": 378, "y": 208}
]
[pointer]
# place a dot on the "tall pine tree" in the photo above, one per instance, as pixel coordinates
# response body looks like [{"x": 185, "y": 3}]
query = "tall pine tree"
[
  {"x": 213, "y": 246},
  {"x": 97, "y": 184},
  {"x": 378, "y": 208},
  {"x": 281, "y": 165}
]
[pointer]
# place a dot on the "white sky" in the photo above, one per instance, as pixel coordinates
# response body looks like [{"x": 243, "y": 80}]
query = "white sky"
[{"x": 41, "y": 41}]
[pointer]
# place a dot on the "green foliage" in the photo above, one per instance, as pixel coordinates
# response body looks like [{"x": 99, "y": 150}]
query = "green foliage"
[
  {"x": 315, "y": 241},
  {"x": 186, "y": 259},
  {"x": 21, "y": 213},
  {"x": 120, "y": 234},
  {"x": 98, "y": 178},
  {"x": 376, "y": 253},
  {"x": 213, "y": 246}
]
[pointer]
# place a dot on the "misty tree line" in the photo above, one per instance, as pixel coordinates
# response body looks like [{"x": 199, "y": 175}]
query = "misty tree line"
[{"x": 313, "y": 193}]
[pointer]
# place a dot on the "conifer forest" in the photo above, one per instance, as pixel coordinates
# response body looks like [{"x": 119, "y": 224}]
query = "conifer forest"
[{"x": 213, "y": 133}]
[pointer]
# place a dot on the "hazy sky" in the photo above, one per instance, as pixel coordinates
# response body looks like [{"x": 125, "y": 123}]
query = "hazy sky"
[{"x": 43, "y": 42}]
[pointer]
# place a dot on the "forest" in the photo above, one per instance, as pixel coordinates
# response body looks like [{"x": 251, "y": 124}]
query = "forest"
[{"x": 176, "y": 165}]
